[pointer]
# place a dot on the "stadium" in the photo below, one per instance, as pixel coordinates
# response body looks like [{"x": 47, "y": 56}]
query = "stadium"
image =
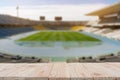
[
  {"x": 59, "y": 40},
  {"x": 24, "y": 40}
]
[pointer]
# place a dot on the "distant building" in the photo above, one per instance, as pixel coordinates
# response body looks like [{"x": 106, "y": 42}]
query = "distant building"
[
  {"x": 58, "y": 18},
  {"x": 42, "y": 18},
  {"x": 108, "y": 16}
]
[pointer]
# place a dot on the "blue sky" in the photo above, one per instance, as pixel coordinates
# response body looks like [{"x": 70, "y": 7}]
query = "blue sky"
[
  {"x": 34, "y": 8},
  {"x": 51, "y": 2}
]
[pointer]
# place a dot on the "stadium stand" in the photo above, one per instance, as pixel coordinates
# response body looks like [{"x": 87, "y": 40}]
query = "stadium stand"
[
  {"x": 7, "y": 20},
  {"x": 7, "y": 58},
  {"x": 13, "y": 22},
  {"x": 108, "y": 24},
  {"x": 5, "y": 32},
  {"x": 40, "y": 27},
  {"x": 61, "y": 25},
  {"x": 106, "y": 32},
  {"x": 104, "y": 58},
  {"x": 77, "y": 28},
  {"x": 10, "y": 25}
]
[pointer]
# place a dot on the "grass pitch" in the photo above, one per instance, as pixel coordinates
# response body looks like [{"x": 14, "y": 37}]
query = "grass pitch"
[{"x": 59, "y": 36}]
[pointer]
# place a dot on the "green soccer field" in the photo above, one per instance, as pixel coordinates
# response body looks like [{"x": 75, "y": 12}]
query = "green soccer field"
[{"x": 58, "y": 36}]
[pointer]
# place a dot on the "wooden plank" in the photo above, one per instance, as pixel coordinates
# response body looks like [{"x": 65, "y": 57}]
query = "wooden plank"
[
  {"x": 8, "y": 69},
  {"x": 90, "y": 71},
  {"x": 79, "y": 72},
  {"x": 41, "y": 72},
  {"x": 59, "y": 72},
  {"x": 114, "y": 69},
  {"x": 98, "y": 72},
  {"x": 28, "y": 72}
]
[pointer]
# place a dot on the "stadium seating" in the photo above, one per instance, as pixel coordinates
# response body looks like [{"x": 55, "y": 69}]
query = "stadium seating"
[
  {"x": 106, "y": 32},
  {"x": 7, "y": 58},
  {"x": 10, "y": 25},
  {"x": 4, "y": 32},
  {"x": 11, "y": 20},
  {"x": 77, "y": 28},
  {"x": 40, "y": 27},
  {"x": 109, "y": 20},
  {"x": 104, "y": 58}
]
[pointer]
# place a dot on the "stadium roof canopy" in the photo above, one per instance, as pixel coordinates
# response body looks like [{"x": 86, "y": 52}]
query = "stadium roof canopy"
[{"x": 107, "y": 10}]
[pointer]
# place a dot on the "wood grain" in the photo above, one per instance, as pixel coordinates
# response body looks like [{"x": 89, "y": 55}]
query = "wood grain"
[{"x": 60, "y": 71}]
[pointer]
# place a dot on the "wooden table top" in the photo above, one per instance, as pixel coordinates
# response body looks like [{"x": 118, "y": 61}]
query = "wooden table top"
[{"x": 60, "y": 71}]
